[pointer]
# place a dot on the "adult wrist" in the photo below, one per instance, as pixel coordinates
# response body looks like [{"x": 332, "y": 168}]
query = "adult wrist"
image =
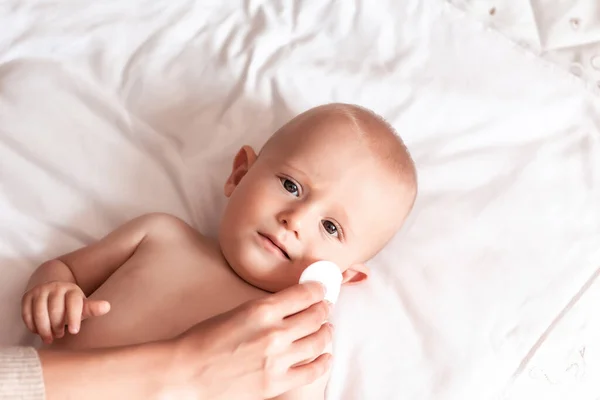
[
  {"x": 132, "y": 372},
  {"x": 183, "y": 371}
]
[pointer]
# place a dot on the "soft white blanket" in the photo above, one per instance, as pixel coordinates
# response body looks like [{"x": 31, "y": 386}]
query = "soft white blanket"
[{"x": 111, "y": 109}]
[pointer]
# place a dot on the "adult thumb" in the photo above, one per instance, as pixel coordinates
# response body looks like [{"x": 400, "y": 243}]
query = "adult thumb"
[{"x": 94, "y": 308}]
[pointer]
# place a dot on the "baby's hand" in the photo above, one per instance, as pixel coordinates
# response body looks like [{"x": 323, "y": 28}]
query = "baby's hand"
[{"x": 48, "y": 307}]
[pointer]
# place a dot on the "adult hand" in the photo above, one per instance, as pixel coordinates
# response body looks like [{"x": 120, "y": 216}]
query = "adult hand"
[
  {"x": 252, "y": 351},
  {"x": 248, "y": 353}
]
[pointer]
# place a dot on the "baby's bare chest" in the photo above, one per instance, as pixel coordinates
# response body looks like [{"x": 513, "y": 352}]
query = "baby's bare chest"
[{"x": 160, "y": 292}]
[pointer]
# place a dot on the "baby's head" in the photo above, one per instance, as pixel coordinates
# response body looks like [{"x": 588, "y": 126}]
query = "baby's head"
[{"x": 335, "y": 183}]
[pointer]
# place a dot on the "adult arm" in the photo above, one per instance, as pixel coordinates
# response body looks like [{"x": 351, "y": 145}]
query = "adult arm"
[{"x": 249, "y": 351}]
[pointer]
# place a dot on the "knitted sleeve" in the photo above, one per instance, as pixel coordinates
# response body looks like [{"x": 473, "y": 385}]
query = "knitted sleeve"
[{"x": 20, "y": 374}]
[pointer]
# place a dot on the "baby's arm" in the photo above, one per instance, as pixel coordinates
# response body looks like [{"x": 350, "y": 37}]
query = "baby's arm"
[
  {"x": 66, "y": 281},
  {"x": 90, "y": 266}
]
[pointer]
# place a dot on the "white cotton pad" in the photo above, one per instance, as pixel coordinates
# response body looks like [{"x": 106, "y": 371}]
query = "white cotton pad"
[{"x": 328, "y": 274}]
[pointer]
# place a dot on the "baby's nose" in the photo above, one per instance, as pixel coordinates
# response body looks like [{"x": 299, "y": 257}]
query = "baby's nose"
[
  {"x": 297, "y": 217},
  {"x": 292, "y": 222}
]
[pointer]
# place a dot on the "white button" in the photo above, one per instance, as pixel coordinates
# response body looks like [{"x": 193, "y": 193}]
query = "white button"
[
  {"x": 576, "y": 69},
  {"x": 595, "y": 61},
  {"x": 575, "y": 22}
]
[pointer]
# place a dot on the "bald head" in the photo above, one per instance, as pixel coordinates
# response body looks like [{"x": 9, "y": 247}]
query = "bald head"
[{"x": 347, "y": 123}]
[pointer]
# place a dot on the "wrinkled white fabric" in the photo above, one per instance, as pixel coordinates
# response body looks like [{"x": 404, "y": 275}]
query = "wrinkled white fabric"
[
  {"x": 111, "y": 109},
  {"x": 566, "y": 33}
]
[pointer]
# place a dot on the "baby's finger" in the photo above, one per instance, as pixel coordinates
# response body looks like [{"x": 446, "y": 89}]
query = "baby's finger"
[
  {"x": 41, "y": 318},
  {"x": 95, "y": 308},
  {"x": 56, "y": 310},
  {"x": 74, "y": 303},
  {"x": 26, "y": 313}
]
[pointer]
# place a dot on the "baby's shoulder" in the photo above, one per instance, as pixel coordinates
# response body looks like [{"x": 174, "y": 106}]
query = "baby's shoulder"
[
  {"x": 165, "y": 227},
  {"x": 167, "y": 234}
]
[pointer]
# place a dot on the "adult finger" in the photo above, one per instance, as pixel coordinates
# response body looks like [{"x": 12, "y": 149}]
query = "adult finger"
[
  {"x": 303, "y": 375},
  {"x": 41, "y": 317},
  {"x": 306, "y": 322},
  {"x": 26, "y": 313},
  {"x": 309, "y": 347},
  {"x": 296, "y": 298},
  {"x": 56, "y": 311},
  {"x": 74, "y": 304}
]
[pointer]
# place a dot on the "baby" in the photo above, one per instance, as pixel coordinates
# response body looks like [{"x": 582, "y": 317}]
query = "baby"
[{"x": 335, "y": 183}]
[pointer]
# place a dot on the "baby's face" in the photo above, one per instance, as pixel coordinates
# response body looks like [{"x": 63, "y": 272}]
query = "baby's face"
[{"x": 322, "y": 198}]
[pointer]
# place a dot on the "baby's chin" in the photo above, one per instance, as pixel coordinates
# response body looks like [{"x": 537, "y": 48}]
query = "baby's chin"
[
  {"x": 259, "y": 268},
  {"x": 268, "y": 281}
]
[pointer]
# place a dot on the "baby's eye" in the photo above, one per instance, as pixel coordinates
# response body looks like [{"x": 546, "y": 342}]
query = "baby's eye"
[
  {"x": 290, "y": 186},
  {"x": 330, "y": 228}
]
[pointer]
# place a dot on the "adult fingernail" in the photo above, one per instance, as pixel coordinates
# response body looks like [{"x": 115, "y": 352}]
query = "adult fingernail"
[
  {"x": 323, "y": 287},
  {"x": 329, "y": 306}
]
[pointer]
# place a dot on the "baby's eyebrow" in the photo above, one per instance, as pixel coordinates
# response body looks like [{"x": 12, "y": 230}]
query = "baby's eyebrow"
[{"x": 298, "y": 174}]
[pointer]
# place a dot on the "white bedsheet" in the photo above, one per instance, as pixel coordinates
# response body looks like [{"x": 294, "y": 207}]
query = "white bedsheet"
[
  {"x": 112, "y": 109},
  {"x": 563, "y": 32}
]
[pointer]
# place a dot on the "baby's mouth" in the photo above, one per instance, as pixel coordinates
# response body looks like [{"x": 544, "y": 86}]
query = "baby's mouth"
[{"x": 285, "y": 254}]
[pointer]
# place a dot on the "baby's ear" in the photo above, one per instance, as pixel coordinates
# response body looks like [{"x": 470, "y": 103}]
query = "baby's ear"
[
  {"x": 356, "y": 273},
  {"x": 241, "y": 164}
]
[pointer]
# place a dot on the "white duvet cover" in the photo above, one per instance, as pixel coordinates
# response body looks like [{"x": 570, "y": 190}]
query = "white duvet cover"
[{"x": 112, "y": 109}]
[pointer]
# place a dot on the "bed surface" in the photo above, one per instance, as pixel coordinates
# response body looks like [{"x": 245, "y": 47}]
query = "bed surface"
[
  {"x": 112, "y": 109},
  {"x": 566, "y": 33}
]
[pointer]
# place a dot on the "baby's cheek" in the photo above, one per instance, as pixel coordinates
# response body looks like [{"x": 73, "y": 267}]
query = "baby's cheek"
[{"x": 295, "y": 276}]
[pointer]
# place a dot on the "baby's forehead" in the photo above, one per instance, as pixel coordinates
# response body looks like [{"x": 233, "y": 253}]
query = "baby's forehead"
[
  {"x": 364, "y": 194},
  {"x": 336, "y": 166},
  {"x": 337, "y": 162}
]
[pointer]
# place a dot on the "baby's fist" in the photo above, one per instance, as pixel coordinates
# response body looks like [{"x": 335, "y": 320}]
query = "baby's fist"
[{"x": 48, "y": 307}]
